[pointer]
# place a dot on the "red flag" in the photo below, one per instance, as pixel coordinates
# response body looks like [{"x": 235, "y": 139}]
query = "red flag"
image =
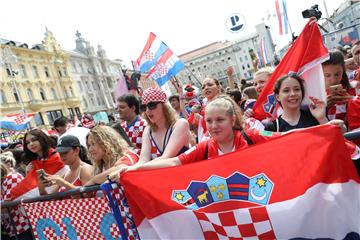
[
  {"x": 273, "y": 195},
  {"x": 28, "y": 186},
  {"x": 303, "y": 58}
]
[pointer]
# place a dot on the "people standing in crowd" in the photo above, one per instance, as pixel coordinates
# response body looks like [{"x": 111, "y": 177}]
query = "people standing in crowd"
[
  {"x": 249, "y": 96},
  {"x": 10, "y": 178},
  {"x": 210, "y": 90},
  {"x": 235, "y": 94},
  {"x": 289, "y": 92},
  {"x": 165, "y": 135},
  {"x": 39, "y": 151},
  {"x": 87, "y": 120},
  {"x": 128, "y": 106},
  {"x": 75, "y": 156},
  {"x": 177, "y": 100},
  {"x": 63, "y": 126},
  {"x": 176, "y": 104},
  {"x": 224, "y": 122},
  {"x": 355, "y": 75},
  {"x": 337, "y": 85},
  {"x": 106, "y": 151}
]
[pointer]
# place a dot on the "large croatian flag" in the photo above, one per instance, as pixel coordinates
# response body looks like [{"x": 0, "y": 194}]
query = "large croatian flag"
[
  {"x": 277, "y": 194},
  {"x": 304, "y": 58},
  {"x": 16, "y": 121},
  {"x": 167, "y": 66},
  {"x": 151, "y": 53}
]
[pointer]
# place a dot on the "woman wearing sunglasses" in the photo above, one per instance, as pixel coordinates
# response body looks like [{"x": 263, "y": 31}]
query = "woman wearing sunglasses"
[{"x": 165, "y": 135}]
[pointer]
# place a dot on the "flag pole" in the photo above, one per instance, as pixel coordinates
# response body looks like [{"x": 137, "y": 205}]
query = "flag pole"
[{"x": 193, "y": 75}]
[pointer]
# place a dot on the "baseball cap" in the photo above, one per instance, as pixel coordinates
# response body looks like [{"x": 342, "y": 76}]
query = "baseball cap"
[{"x": 66, "y": 143}]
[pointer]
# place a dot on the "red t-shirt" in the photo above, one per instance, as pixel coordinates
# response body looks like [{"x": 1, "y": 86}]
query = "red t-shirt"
[
  {"x": 129, "y": 159},
  {"x": 197, "y": 153}
]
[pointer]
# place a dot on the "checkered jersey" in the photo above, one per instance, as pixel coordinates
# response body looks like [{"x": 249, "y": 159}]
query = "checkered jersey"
[
  {"x": 135, "y": 132},
  {"x": 84, "y": 215},
  {"x": 17, "y": 213},
  {"x": 338, "y": 111},
  {"x": 243, "y": 223}
]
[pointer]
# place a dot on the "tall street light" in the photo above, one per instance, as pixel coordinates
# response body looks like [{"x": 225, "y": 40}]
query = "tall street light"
[{"x": 9, "y": 58}]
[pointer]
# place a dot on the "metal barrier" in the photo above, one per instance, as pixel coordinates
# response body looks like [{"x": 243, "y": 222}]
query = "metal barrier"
[
  {"x": 9, "y": 205},
  {"x": 352, "y": 135}
]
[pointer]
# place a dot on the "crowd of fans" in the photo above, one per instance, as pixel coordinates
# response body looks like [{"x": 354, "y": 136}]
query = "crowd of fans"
[{"x": 192, "y": 125}]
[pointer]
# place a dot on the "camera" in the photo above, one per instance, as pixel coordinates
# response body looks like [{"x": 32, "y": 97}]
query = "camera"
[{"x": 312, "y": 12}]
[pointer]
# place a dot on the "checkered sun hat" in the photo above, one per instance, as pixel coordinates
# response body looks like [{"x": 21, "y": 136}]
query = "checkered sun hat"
[{"x": 153, "y": 94}]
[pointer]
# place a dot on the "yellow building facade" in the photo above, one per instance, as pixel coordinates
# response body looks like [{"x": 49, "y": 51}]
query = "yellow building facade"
[{"x": 37, "y": 80}]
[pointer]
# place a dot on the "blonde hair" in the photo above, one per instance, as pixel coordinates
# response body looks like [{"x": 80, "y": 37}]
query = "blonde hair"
[
  {"x": 232, "y": 109},
  {"x": 111, "y": 142},
  {"x": 169, "y": 114},
  {"x": 8, "y": 158},
  {"x": 268, "y": 70}
]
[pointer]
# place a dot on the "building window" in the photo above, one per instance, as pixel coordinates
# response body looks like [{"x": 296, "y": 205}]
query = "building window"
[
  {"x": 8, "y": 72},
  {"x": 30, "y": 94},
  {"x": 248, "y": 65},
  {"x": 53, "y": 93},
  {"x": 65, "y": 72},
  {"x": 81, "y": 68},
  {"x": 78, "y": 113},
  {"x": 246, "y": 58},
  {"x": 71, "y": 111},
  {"x": 16, "y": 96},
  {"x": 59, "y": 71},
  {"x": 42, "y": 94},
  {"x": 23, "y": 70},
  {"x": 46, "y": 70},
  {"x": 66, "y": 94},
  {"x": 79, "y": 86},
  {"x": 38, "y": 119},
  {"x": 35, "y": 71},
  {"x": 243, "y": 67},
  {"x": 2, "y": 97},
  {"x": 71, "y": 91},
  {"x": 74, "y": 67},
  {"x": 52, "y": 115},
  {"x": 85, "y": 102}
]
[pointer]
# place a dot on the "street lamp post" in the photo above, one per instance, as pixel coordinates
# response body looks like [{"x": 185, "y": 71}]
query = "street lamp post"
[{"x": 10, "y": 58}]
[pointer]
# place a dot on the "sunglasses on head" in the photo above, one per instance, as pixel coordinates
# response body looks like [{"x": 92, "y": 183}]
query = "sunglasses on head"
[{"x": 150, "y": 106}]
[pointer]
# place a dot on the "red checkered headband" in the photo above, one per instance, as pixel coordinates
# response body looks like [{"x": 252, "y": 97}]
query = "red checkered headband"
[{"x": 153, "y": 94}]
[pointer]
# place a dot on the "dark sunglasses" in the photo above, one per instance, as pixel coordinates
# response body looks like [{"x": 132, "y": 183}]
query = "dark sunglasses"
[{"x": 150, "y": 106}]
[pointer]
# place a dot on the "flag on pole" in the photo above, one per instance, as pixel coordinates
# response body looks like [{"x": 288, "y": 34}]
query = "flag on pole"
[
  {"x": 167, "y": 66},
  {"x": 285, "y": 17},
  {"x": 261, "y": 196},
  {"x": 281, "y": 12},
  {"x": 262, "y": 54},
  {"x": 16, "y": 121},
  {"x": 303, "y": 58},
  {"x": 151, "y": 53}
]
